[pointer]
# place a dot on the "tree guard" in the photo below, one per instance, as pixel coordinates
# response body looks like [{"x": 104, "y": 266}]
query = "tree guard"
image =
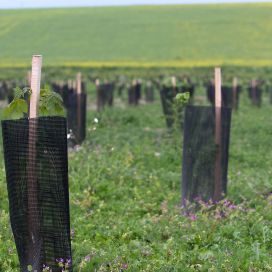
[
  {"x": 51, "y": 218},
  {"x": 199, "y": 152},
  {"x": 167, "y": 97},
  {"x": 167, "y": 94},
  {"x": 230, "y": 95},
  {"x": 76, "y": 116},
  {"x": 105, "y": 95},
  {"x": 149, "y": 92},
  {"x": 255, "y": 93}
]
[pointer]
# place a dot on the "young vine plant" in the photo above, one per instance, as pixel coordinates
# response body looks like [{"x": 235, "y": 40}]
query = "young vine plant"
[{"x": 50, "y": 103}]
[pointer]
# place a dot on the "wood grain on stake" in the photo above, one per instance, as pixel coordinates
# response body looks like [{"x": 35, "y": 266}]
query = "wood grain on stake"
[
  {"x": 218, "y": 103},
  {"x": 34, "y": 246},
  {"x": 35, "y": 85}
]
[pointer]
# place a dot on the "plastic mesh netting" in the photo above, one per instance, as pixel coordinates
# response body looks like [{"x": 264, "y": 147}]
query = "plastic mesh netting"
[
  {"x": 3, "y": 90},
  {"x": 230, "y": 97},
  {"x": 255, "y": 95},
  {"x": 105, "y": 95},
  {"x": 36, "y": 164},
  {"x": 199, "y": 152},
  {"x": 134, "y": 93},
  {"x": 149, "y": 92},
  {"x": 76, "y": 116},
  {"x": 167, "y": 95}
]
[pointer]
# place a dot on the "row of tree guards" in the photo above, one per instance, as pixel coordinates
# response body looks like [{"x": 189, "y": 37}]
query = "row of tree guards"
[
  {"x": 106, "y": 90},
  {"x": 35, "y": 151},
  {"x": 74, "y": 98}
]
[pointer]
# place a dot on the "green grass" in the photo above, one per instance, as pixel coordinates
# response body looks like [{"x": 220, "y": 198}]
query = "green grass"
[
  {"x": 142, "y": 36},
  {"x": 125, "y": 197}
]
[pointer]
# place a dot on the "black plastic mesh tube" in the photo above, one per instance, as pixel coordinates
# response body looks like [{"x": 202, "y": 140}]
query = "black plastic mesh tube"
[
  {"x": 167, "y": 95},
  {"x": 105, "y": 95},
  {"x": 76, "y": 116},
  {"x": 3, "y": 90},
  {"x": 199, "y": 152},
  {"x": 167, "y": 98},
  {"x": 134, "y": 93},
  {"x": 36, "y": 164},
  {"x": 255, "y": 95},
  {"x": 228, "y": 100},
  {"x": 149, "y": 94}
]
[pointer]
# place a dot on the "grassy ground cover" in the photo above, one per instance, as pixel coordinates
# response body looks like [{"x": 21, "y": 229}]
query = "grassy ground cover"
[{"x": 125, "y": 198}]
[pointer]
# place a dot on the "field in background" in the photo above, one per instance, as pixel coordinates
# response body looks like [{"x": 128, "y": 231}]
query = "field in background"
[{"x": 142, "y": 36}]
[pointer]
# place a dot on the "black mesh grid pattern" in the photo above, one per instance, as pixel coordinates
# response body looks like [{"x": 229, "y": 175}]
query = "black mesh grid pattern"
[
  {"x": 255, "y": 95},
  {"x": 167, "y": 97},
  {"x": 3, "y": 90},
  {"x": 76, "y": 116},
  {"x": 199, "y": 152},
  {"x": 105, "y": 95},
  {"x": 134, "y": 94},
  {"x": 35, "y": 152},
  {"x": 227, "y": 96},
  {"x": 149, "y": 94}
]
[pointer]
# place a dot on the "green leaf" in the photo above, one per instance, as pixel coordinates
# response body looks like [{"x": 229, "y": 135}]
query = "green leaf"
[
  {"x": 16, "y": 109},
  {"x": 50, "y": 103}
]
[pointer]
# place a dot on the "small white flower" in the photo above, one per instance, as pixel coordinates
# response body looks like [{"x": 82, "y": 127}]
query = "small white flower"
[
  {"x": 157, "y": 154},
  {"x": 96, "y": 120}
]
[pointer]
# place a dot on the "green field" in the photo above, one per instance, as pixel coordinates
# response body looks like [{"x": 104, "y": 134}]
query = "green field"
[{"x": 142, "y": 36}]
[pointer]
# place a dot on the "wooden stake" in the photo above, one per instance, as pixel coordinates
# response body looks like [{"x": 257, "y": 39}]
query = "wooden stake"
[
  {"x": 234, "y": 93},
  {"x": 218, "y": 105},
  {"x": 174, "y": 84},
  {"x": 97, "y": 82},
  {"x": 34, "y": 243},
  {"x": 35, "y": 85},
  {"x": 78, "y": 83},
  {"x": 78, "y": 90},
  {"x": 254, "y": 91}
]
